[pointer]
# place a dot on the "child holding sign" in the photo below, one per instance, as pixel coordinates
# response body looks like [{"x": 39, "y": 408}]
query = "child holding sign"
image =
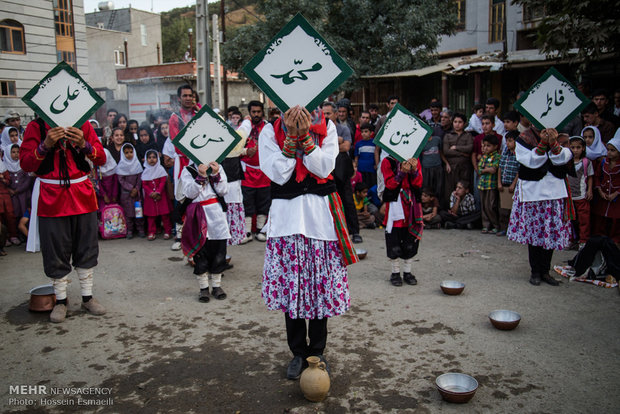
[{"x": 403, "y": 217}]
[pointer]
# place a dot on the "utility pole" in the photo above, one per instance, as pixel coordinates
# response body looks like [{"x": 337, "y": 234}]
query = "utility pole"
[
  {"x": 217, "y": 79},
  {"x": 225, "y": 78},
  {"x": 203, "y": 60}
]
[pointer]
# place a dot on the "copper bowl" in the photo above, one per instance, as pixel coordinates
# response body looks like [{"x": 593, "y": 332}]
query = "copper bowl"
[
  {"x": 456, "y": 387},
  {"x": 42, "y": 298},
  {"x": 228, "y": 258},
  {"x": 505, "y": 320},
  {"x": 361, "y": 253},
  {"x": 452, "y": 287}
]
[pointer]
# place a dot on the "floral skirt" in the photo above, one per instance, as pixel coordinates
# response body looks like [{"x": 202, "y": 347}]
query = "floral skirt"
[
  {"x": 236, "y": 223},
  {"x": 305, "y": 277},
  {"x": 539, "y": 223}
]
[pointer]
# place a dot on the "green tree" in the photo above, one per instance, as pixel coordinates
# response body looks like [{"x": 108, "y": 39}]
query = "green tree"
[
  {"x": 373, "y": 36},
  {"x": 590, "y": 26},
  {"x": 174, "y": 32}
]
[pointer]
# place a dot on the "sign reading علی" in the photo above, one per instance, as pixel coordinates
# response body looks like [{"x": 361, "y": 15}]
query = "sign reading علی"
[
  {"x": 206, "y": 138},
  {"x": 403, "y": 135},
  {"x": 551, "y": 102},
  {"x": 297, "y": 67},
  {"x": 62, "y": 98}
]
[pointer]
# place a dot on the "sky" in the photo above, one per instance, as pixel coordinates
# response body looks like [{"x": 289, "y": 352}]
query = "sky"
[{"x": 158, "y": 6}]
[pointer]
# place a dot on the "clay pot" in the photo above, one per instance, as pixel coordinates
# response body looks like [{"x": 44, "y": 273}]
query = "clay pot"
[{"x": 314, "y": 381}]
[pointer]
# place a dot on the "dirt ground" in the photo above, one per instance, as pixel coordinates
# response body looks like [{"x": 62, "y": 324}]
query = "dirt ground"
[{"x": 159, "y": 350}]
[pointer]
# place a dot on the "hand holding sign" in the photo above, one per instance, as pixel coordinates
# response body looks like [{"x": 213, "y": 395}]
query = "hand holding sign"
[{"x": 53, "y": 135}]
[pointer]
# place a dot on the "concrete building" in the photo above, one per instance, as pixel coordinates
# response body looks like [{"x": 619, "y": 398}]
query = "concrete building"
[
  {"x": 491, "y": 54},
  {"x": 34, "y": 37},
  {"x": 119, "y": 39}
]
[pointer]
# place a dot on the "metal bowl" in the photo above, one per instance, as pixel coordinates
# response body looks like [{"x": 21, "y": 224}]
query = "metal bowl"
[
  {"x": 361, "y": 253},
  {"x": 42, "y": 298},
  {"x": 505, "y": 319},
  {"x": 456, "y": 387},
  {"x": 452, "y": 287}
]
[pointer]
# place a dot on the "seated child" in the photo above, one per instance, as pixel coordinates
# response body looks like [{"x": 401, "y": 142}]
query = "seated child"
[
  {"x": 581, "y": 190},
  {"x": 507, "y": 177},
  {"x": 156, "y": 202},
  {"x": 462, "y": 213},
  {"x": 430, "y": 209},
  {"x": 606, "y": 208},
  {"x": 129, "y": 172},
  {"x": 403, "y": 216},
  {"x": 360, "y": 198},
  {"x": 487, "y": 184},
  {"x": 365, "y": 156}
]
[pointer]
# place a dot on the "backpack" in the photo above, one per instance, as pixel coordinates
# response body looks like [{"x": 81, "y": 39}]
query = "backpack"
[{"x": 113, "y": 224}]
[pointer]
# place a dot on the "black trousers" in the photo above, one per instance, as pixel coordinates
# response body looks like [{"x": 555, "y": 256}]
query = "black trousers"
[
  {"x": 256, "y": 200},
  {"x": 211, "y": 258},
  {"x": 401, "y": 244},
  {"x": 350, "y": 214},
  {"x": 296, "y": 333},
  {"x": 540, "y": 259},
  {"x": 66, "y": 238},
  {"x": 460, "y": 221}
]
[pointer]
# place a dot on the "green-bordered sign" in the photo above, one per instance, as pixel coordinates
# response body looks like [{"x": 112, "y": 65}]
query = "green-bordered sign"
[
  {"x": 297, "y": 67},
  {"x": 206, "y": 138},
  {"x": 63, "y": 98},
  {"x": 552, "y": 101},
  {"x": 403, "y": 135}
]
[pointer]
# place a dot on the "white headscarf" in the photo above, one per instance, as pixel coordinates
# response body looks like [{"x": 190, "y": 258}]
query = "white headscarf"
[
  {"x": 109, "y": 168},
  {"x": 168, "y": 149},
  {"x": 597, "y": 149},
  {"x": 152, "y": 172},
  {"x": 6, "y": 139},
  {"x": 11, "y": 164},
  {"x": 615, "y": 141},
  {"x": 128, "y": 167}
]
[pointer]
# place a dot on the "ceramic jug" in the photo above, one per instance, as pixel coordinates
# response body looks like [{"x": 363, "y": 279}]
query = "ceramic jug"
[{"x": 314, "y": 381}]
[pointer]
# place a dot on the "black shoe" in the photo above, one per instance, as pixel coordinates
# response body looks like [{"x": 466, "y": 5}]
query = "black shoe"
[
  {"x": 323, "y": 360},
  {"x": 357, "y": 238},
  {"x": 396, "y": 280},
  {"x": 410, "y": 279},
  {"x": 450, "y": 225},
  {"x": 550, "y": 280},
  {"x": 535, "y": 279},
  {"x": 204, "y": 295},
  {"x": 295, "y": 367},
  {"x": 228, "y": 266},
  {"x": 218, "y": 293}
]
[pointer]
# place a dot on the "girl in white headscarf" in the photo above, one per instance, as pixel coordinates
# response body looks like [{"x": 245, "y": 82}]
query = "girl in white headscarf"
[
  {"x": 156, "y": 201},
  {"x": 129, "y": 172},
  {"x": 108, "y": 182},
  {"x": 20, "y": 182},
  {"x": 606, "y": 208},
  {"x": 10, "y": 136},
  {"x": 595, "y": 148}
]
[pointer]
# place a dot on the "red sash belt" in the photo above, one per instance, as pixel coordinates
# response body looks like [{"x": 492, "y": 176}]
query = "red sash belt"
[{"x": 208, "y": 202}]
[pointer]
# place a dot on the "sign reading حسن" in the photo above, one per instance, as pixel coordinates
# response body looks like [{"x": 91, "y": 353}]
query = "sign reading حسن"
[
  {"x": 403, "y": 135},
  {"x": 551, "y": 102},
  {"x": 206, "y": 138},
  {"x": 63, "y": 98},
  {"x": 297, "y": 67}
]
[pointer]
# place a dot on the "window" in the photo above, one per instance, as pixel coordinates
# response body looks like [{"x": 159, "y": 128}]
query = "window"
[
  {"x": 533, "y": 13},
  {"x": 143, "y": 34},
  {"x": 7, "y": 88},
  {"x": 12, "y": 37},
  {"x": 497, "y": 19},
  {"x": 67, "y": 56},
  {"x": 119, "y": 58},
  {"x": 65, "y": 39},
  {"x": 460, "y": 14}
]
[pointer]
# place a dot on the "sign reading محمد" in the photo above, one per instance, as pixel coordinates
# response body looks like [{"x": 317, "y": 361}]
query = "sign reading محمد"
[
  {"x": 206, "y": 138},
  {"x": 552, "y": 101},
  {"x": 63, "y": 98},
  {"x": 403, "y": 135},
  {"x": 297, "y": 67}
]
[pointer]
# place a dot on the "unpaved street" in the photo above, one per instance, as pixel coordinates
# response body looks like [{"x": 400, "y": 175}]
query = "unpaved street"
[{"x": 159, "y": 350}]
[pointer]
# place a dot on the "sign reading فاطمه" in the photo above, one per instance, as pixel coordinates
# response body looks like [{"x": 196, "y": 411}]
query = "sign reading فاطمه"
[
  {"x": 207, "y": 137},
  {"x": 62, "y": 98},
  {"x": 403, "y": 135},
  {"x": 297, "y": 67},
  {"x": 551, "y": 102}
]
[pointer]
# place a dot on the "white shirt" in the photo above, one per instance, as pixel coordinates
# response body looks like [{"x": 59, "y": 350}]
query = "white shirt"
[
  {"x": 499, "y": 126},
  {"x": 217, "y": 225},
  {"x": 549, "y": 187},
  {"x": 307, "y": 214}
]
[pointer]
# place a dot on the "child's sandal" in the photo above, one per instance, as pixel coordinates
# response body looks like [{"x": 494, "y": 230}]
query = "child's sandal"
[
  {"x": 484, "y": 230},
  {"x": 151, "y": 237},
  {"x": 166, "y": 236}
]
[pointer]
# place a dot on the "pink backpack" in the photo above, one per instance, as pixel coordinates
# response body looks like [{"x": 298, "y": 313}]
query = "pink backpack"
[{"x": 113, "y": 224}]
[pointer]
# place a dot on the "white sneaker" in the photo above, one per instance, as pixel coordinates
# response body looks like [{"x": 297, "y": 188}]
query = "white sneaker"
[
  {"x": 248, "y": 238},
  {"x": 261, "y": 237},
  {"x": 176, "y": 245}
]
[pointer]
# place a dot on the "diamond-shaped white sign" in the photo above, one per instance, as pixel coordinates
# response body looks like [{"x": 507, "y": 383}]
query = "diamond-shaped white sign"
[
  {"x": 298, "y": 67},
  {"x": 63, "y": 98},
  {"x": 206, "y": 138},
  {"x": 403, "y": 135},
  {"x": 552, "y": 101}
]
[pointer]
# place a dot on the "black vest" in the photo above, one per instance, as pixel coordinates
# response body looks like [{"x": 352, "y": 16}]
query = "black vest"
[
  {"x": 537, "y": 174},
  {"x": 232, "y": 168},
  {"x": 309, "y": 185}
]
